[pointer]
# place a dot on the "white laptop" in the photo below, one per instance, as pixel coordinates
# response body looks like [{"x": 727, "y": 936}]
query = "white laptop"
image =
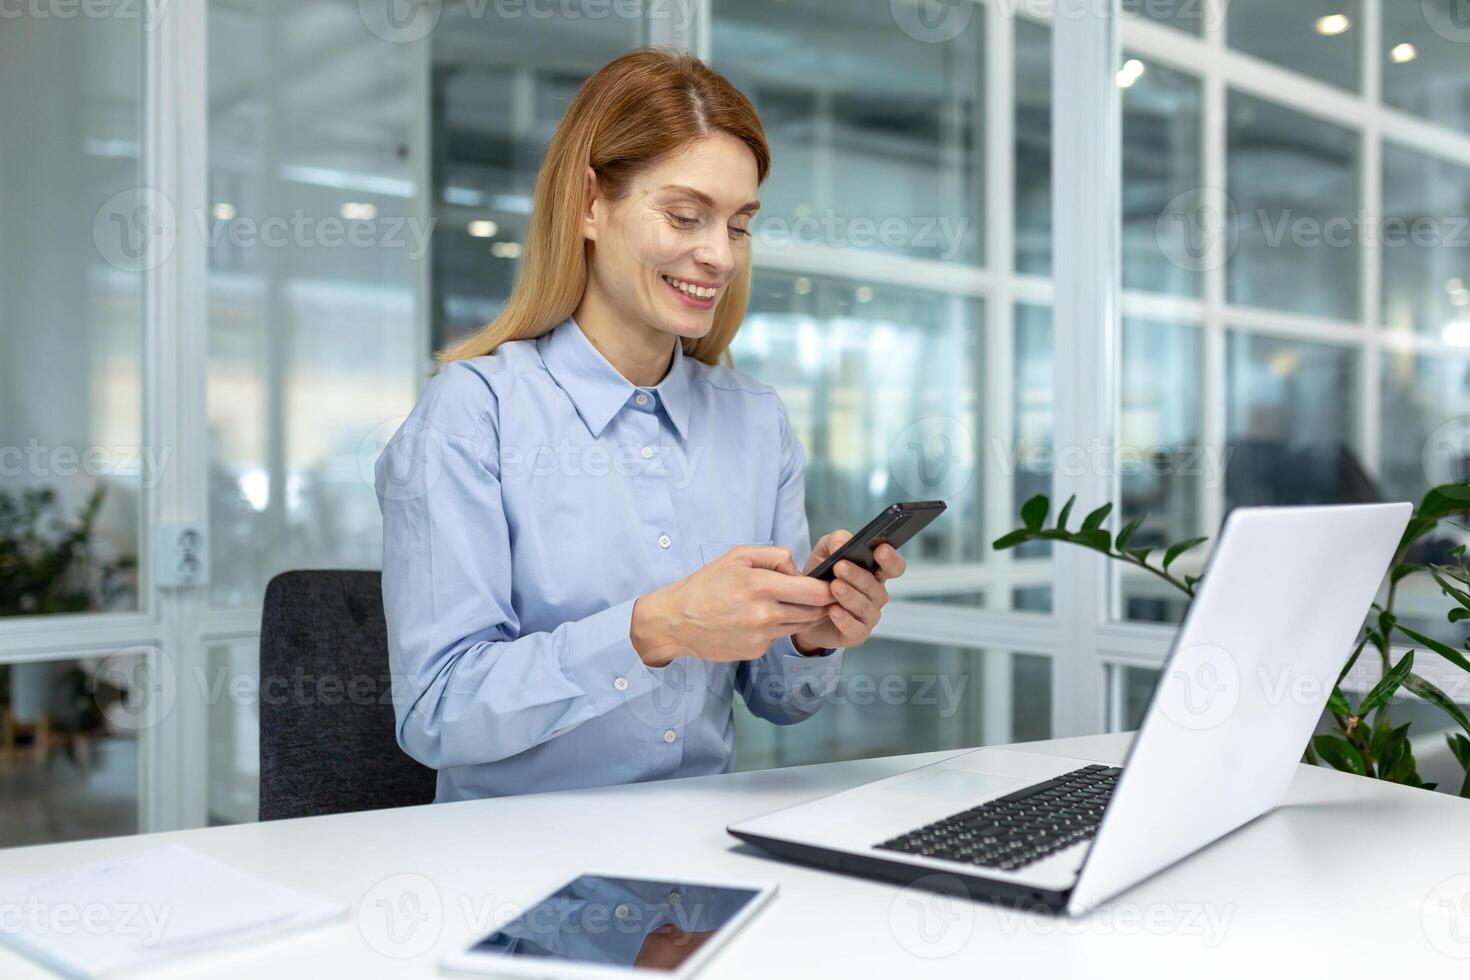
[{"x": 1269, "y": 630}]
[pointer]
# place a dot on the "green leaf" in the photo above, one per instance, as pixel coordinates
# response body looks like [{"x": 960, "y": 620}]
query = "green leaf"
[
  {"x": 1449, "y": 653},
  {"x": 1460, "y": 595},
  {"x": 1433, "y": 695},
  {"x": 1337, "y": 703},
  {"x": 1034, "y": 511},
  {"x": 1398, "y": 766},
  {"x": 1385, "y": 739},
  {"x": 1403, "y": 570},
  {"x": 1141, "y": 554},
  {"x": 1460, "y": 745},
  {"x": 1384, "y": 689},
  {"x": 1444, "y": 500},
  {"x": 1191, "y": 581},
  {"x": 1011, "y": 540},
  {"x": 1386, "y": 622},
  {"x": 1095, "y": 519},
  {"x": 1458, "y": 614},
  {"x": 1440, "y": 501},
  {"x": 1339, "y": 754},
  {"x": 1367, "y": 634},
  {"x": 1066, "y": 512},
  {"x": 1096, "y": 537},
  {"x": 1455, "y": 572},
  {"x": 1176, "y": 550},
  {"x": 1127, "y": 532}
]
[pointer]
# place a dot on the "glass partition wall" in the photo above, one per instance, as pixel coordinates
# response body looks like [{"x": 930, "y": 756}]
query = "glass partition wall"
[{"x": 1323, "y": 221}]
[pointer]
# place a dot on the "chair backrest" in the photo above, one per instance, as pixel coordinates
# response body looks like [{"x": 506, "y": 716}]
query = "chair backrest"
[{"x": 327, "y": 741}]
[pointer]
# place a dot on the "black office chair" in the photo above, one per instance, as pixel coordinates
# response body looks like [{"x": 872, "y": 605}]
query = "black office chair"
[{"x": 326, "y": 714}]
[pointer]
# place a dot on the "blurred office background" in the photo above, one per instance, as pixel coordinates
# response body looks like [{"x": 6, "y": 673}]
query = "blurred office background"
[{"x": 360, "y": 183}]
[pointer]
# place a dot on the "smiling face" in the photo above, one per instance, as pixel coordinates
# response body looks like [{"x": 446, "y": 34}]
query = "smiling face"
[{"x": 665, "y": 251}]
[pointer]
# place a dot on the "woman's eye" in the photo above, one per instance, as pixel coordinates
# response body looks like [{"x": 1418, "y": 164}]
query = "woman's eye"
[
  {"x": 683, "y": 220},
  {"x": 739, "y": 232}
]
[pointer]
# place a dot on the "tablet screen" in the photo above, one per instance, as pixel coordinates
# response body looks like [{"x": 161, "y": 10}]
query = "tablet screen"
[{"x": 631, "y": 922}]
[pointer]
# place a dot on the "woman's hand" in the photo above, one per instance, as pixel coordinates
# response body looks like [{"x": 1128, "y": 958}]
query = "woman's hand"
[
  {"x": 731, "y": 609},
  {"x": 858, "y": 593}
]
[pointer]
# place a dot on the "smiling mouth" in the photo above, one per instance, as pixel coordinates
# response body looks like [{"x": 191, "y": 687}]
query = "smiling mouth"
[{"x": 700, "y": 297}]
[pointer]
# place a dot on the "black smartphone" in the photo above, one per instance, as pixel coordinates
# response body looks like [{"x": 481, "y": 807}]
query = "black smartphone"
[{"x": 894, "y": 526}]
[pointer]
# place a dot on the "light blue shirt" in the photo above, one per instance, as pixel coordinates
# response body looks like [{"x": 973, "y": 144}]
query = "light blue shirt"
[{"x": 529, "y": 500}]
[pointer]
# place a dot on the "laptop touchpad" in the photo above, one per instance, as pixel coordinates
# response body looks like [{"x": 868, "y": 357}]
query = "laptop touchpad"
[{"x": 956, "y": 784}]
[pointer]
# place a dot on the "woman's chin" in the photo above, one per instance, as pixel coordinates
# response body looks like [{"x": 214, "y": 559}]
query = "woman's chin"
[{"x": 692, "y": 327}]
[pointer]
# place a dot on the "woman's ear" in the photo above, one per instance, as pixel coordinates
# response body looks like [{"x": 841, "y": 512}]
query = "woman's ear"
[{"x": 589, "y": 213}]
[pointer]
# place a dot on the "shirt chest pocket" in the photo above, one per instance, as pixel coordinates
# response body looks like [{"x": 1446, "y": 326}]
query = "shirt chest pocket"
[{"x": 720, "y": 677}]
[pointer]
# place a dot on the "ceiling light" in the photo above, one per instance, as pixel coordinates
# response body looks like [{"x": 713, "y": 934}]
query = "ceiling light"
[
  {"x": 1457, "y": 334},
  {"x": 1402, "y": 54},
  {"x": 483, "y": 228},
  {"x": 1131, "y": 72},
  {"x": 358, "y": 211},
  {"x": 1333, "y": 25},
  {"x": 224, "y": 211},
  {"x": 1283, "y": 364},
  {"x": 506, "y": 250}
]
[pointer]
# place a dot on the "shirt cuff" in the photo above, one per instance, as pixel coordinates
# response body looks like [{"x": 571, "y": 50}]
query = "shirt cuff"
[
  {"x": 601, "y": 659},
  {"x": 803, "y": 680},
  {"x": 786, "y": 647}
]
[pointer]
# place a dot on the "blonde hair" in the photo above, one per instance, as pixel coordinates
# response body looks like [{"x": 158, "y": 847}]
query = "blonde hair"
[{"x": 635, "y": 111}]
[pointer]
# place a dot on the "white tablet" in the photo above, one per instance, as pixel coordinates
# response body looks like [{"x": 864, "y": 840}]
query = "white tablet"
[{"x": 606, "y": 927}]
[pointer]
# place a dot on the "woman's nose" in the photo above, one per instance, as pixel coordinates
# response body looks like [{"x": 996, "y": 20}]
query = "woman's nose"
[{"x": 715, "y": 251}]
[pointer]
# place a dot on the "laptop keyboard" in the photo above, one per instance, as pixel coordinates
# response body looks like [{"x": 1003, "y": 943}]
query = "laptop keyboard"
[{"x": 1018, "y": 829}]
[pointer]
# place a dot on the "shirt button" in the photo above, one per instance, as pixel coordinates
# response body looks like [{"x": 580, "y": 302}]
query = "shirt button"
[
  {"x": 622, "y": 912},
  {"x": 648, "y": 452},
  {"x": 670, "y": 735},
  {"x": 664, "y": 540},
  {"x": 621, "y": 683},
  {"x": 641, "y": 398}
]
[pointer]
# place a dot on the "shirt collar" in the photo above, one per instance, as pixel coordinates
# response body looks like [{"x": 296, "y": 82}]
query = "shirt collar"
[{"x": 597, "y": 389}]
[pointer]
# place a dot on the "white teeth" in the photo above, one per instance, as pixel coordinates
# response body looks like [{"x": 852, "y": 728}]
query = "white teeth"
[{"x": 699, "y": 292}]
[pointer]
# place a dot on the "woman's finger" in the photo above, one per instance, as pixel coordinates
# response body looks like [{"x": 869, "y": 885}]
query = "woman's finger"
[
  {"x": 863, "y": 580},
  {"x": 890, "y": 562},
  {"x": 852, "y": 630},
  {"x": 855, "y": 601},
  {"x": 798, "y": 614},
  {"x": 825, "y": 547}
]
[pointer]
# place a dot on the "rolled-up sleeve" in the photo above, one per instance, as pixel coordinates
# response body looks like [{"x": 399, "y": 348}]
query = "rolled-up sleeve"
[
  {"x": 784, "y": 686},
  {"x": 468, "y": 688}
]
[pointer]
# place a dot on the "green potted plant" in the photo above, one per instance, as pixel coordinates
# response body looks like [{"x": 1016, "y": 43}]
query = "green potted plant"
[
  {"x": 1365, "y": 740},
  {"x": 47, "y": 563}
]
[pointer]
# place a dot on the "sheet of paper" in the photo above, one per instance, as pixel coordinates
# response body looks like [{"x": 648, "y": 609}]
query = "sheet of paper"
[{"x": 135, "y": 912}]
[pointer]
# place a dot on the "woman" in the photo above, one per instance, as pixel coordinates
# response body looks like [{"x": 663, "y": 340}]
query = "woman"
[{"x": 589, "y": 522}]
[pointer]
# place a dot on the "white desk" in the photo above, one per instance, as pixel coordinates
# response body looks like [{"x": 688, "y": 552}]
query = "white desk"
[{"x": 1351, "y": 874}]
